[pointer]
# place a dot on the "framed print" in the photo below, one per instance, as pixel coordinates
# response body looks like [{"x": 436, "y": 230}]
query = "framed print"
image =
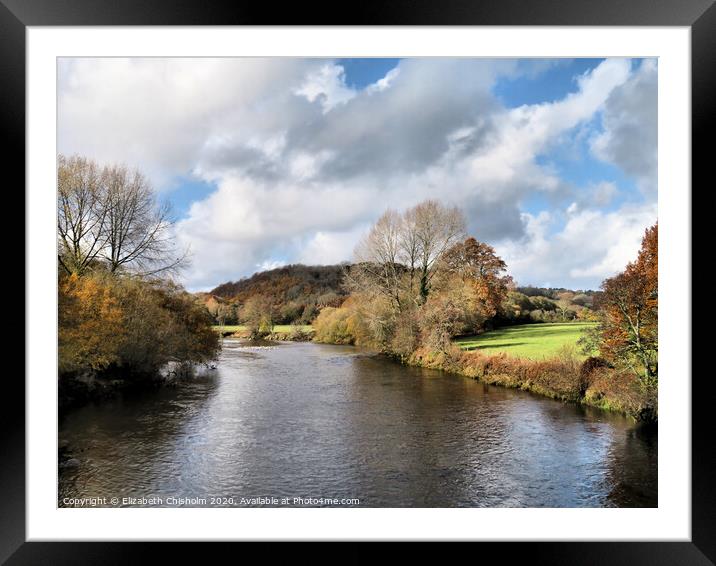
[{"x": 292, "y": 278}]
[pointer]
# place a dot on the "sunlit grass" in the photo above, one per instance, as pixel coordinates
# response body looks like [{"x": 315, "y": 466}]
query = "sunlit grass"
[{"x": 533, "y": 341}]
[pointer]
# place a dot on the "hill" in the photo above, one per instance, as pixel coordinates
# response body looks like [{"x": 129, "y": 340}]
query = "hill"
[{"x": 296, "y": 293}]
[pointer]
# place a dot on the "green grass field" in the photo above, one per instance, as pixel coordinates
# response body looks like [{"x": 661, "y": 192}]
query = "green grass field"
[
  {"x": 279, "y": 328},
  {"x": 533, "y": 341}
]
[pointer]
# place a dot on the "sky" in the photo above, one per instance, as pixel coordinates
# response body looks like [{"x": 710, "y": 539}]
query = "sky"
[{"x": 272, "y": 161}]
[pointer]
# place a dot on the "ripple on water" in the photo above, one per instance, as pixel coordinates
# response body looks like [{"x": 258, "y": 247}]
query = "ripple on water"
[{"x": 302, "y": 419}]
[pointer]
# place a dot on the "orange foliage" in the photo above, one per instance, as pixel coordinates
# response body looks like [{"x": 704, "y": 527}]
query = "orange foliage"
[
  {"x": 90, "y": 323},
  {"x": 108, "y": 322},
  {"x": 629, "y": 307}
]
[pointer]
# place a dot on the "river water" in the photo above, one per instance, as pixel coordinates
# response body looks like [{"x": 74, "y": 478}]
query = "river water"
[{"x": 333, "y": 424}]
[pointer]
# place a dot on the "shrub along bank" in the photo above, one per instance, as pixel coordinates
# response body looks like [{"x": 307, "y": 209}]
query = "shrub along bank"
[{"x": 591, "y": 382}]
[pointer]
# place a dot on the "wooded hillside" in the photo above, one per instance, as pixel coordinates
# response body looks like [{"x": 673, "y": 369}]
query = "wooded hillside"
[{"x": 296, "y": 293}]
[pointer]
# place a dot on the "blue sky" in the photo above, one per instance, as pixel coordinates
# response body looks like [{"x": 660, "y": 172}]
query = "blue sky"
[
  {"x": 363, "y": 72},
  {"x": 274, "y": 161}
]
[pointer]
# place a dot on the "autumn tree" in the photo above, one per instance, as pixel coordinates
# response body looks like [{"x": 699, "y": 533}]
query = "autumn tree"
[
  {"x": 469, "y": 291},
  {"x": 378, "y": 268},
  {"x": 628, "y": 304},
  {"x": 90, "y": 324},
  {"x": 476, "y": 263},
  {"x": 429, "y": 230},
  {"x": 419, "y": 283},
  {"x": 257, "y": 314},
  {"x": 112, "y": 234}
]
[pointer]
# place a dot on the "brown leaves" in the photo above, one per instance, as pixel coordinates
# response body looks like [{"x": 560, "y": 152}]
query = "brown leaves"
[
  {"x": 106, "y": 321},
  {"x": 90, "y": 324},
  {"x": 629, "y": 313}
]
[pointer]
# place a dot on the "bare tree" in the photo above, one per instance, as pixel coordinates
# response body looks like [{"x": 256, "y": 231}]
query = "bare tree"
[
  {"x": 436, "y": 228},
  {"x": 399, "y": 256},
  {"x": 377, "y": 259},
  {"x": 110, "y": 215},
  {"x": 82, "y": 213},
  {"x": 138, "y": 228},
  {"x": 410, "y": 247}
]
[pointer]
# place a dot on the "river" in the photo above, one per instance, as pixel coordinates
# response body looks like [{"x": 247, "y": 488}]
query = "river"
[{"x": 333, "y": 424}]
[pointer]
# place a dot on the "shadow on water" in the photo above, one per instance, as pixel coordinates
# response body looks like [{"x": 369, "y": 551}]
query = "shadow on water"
[
  {"x": 633, "y": 468},
  {"x": 306, "y": 420},
  {"x": 119, "y": 441}
]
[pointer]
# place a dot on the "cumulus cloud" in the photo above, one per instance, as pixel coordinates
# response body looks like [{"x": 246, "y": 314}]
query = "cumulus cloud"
[
  {"x": 304, "y": 163},
  {"x": 590, "y": 246},
  {"x": 162, "y": 114},
  {"x": 385, "y": 82},
  {"x": 629, "y": 137},
  {"x": 330, "y": 247},
  {"x": 328, "y": 86},
  {"x": 594, "y": 195}
]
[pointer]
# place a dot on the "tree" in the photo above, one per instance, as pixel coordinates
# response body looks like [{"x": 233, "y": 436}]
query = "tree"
[
  {"x": 431, "y": 228},
  {"x": 417, "y": 283},
  {"x": 477, "y": 264},
  {"x": 473, "y": 260},
  {"x": 257, "y": 314},
  {"x": 108, "y": 322},
  {"x": 110, "y": 216},
  {"x": 112, "y": 234},
  {"x": 398, "y": 258},
  {"x": 138, "y": 228},
  {"x": 82, "y": 212},
  {"x": 378, "y": 258},
  {"x": 90, "y": 323},
  {"x": 469, "y": 290},
  {"x": 628, "y": 333}
]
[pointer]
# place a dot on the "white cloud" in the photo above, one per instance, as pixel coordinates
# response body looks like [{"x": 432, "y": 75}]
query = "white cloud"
[
  {"x": 594, "y": 195},
  {"x": 326, "y": 248},
  {"x": 629, "y": 137},
  {"x": 526, "y": 131},
  {"x": 385, "y": 82},
  {"x": 162, "y": 114},
  {"x": 270, "y": 264},
  {"x": 328, "y": 86},
  {"x": 303, "y": 163},
  {"x": 591, "y": 246}
]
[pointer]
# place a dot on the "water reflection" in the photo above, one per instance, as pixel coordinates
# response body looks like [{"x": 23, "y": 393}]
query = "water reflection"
[{"x": 308, "y": 420}]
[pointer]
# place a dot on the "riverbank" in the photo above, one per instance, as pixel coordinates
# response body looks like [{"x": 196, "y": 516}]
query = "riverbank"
[
  {"x": 540, "y": 358},
  {"x": 279, "y": 333},
  {"x": 80, "y": 388},
  {"x": 565, "y": 377}
]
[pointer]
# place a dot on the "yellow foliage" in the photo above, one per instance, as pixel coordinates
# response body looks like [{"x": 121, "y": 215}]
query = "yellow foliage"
[
  {"x": 131, "y": 324},
  {"x": 90, "y": 323}
]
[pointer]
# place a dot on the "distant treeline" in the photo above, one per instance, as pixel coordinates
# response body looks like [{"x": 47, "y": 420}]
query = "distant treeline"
[
  {"x": 554, "y": 292},
  {"x": 545, "y": 304},
  {"x": 292, "y": 294},
  {"x": 295, "y": 294}
]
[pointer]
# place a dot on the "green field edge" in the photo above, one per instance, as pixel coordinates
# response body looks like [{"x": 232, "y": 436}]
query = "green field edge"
[{"x": 539, "y": 341}]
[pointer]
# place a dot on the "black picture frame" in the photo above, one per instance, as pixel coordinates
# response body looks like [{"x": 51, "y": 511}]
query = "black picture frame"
[{"x": 699, "y": 15}]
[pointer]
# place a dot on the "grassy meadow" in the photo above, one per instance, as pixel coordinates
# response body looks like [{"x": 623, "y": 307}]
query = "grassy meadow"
[{"x": 531, "y": 341}]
